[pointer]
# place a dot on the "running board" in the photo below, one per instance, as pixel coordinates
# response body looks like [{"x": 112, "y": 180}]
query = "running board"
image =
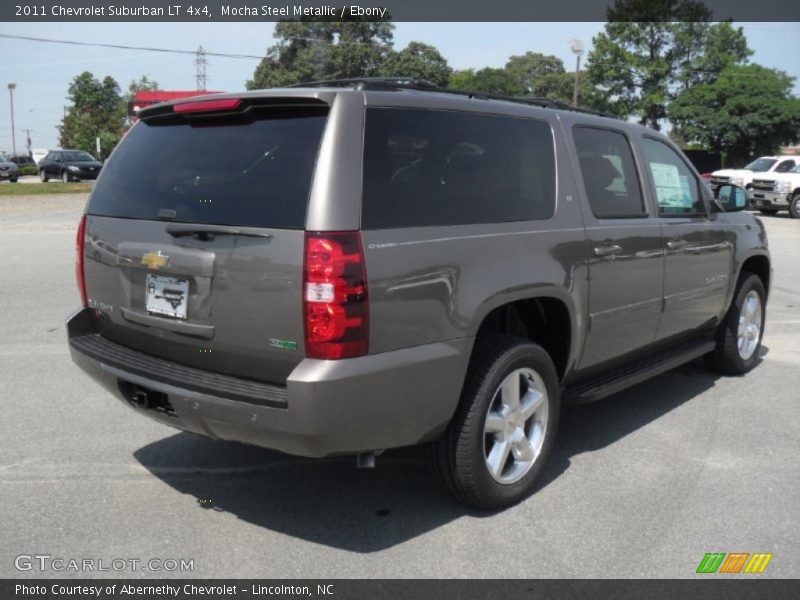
[{"x": 611, "y": 382}]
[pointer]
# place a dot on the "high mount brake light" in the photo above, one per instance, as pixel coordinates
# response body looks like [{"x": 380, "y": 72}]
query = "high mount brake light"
[
  {"x": 207, "y": 105},
  {"x": 335, "y": 302},
  {"x": 80, "y": 276}
]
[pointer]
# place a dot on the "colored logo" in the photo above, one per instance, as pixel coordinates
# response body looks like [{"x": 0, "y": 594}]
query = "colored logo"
[
  {"x": 735, "y": 562},
  {"x": 154, "y": 260}
]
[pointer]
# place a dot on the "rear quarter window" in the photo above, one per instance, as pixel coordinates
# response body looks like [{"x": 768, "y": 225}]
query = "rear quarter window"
[
  {"x": 434, "y": 167},
  {"x": 249, "y": 170}
]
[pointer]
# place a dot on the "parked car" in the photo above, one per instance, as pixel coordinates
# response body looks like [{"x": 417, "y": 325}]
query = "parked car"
[
  {"x": 779, "y": 192},
  {"x": 8, "y": 170},
  {"x": 69, "y": 165},
  {"x": 760, "y": 166},
  {"x": 337, "y": 270}
]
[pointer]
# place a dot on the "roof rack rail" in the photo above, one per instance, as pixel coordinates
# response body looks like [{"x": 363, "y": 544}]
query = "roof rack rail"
[
  {"x": 423, "y": 85},
  {"x": 414, "y": 83}
]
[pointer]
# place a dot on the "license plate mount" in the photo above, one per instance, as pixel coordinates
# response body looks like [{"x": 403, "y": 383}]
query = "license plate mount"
[{"x": 167, "y": 296}]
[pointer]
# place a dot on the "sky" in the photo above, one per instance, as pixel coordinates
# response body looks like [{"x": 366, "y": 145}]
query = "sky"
[{"x": 43, "y": 71}]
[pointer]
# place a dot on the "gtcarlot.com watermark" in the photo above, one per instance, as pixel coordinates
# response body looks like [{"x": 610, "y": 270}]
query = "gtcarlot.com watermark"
[{"x": 46, "y": 563}]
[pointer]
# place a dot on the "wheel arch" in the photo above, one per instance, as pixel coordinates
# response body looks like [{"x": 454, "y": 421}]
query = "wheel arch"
[
  {"x": 759, "y": 265},
  {"x": 546, "y": 317}
]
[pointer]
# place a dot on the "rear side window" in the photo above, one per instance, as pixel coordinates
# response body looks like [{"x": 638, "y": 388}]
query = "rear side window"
[
  {"x": 250, "y": 170},
  {"x": 435, "y": 167},
  {"x": 609, "y": 173}
]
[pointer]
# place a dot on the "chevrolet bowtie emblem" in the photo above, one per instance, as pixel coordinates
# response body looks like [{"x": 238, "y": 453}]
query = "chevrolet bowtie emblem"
[{"x": 155, "y": 260}]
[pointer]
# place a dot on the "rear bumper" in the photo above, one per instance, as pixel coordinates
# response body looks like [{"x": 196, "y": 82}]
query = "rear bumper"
[{"x": 327, "y": 408}]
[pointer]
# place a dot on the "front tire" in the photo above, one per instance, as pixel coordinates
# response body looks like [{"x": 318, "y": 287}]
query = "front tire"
[
  {"x": 64, "y": 176},
  {"x": 739, "y": 335},
  {"x": 43, "y": 176},
  {"x": 794, "y": 207},
  {"x": 502, "y": 434},
  {"x": 767, "y": 211}
]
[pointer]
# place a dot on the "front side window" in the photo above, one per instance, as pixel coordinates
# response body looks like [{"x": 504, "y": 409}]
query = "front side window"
[
  {"x": 676, "y": 187},
  {"x": 609, "y": 173},
  {"x": 438, "y": 167}
]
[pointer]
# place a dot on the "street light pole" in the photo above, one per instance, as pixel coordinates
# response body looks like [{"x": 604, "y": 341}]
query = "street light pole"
[
  {"x": 11, "y": 87},
  {"x": 577, "y": 49}
]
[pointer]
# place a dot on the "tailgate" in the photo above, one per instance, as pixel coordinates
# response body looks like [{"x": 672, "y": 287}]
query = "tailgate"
[{"x": 194, "y": 239}]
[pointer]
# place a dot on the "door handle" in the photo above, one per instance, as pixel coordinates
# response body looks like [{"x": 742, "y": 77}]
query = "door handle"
[
  {"x": 676, "y": 244},
  {"x": 607, "y": 250}
]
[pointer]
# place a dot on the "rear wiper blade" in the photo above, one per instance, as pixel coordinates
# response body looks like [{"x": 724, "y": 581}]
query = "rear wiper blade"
[{"x": 208, "y": 232}]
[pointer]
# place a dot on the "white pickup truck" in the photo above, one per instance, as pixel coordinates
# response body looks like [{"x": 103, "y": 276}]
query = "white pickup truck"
[
  {"x": 763, "y": 166},
  {"x": 779, "y": 191}
]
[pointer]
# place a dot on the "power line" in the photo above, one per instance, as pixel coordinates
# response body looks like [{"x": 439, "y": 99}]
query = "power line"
[{"x": 124, "y": 47}]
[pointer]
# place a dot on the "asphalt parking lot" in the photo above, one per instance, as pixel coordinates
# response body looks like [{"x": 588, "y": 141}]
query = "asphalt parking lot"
[{"x": 642, "y": 484}]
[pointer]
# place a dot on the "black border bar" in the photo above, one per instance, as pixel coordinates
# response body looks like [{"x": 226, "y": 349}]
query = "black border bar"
[
  {"x": 710, "y": 587},
  {"x": 399, "y": 10}
]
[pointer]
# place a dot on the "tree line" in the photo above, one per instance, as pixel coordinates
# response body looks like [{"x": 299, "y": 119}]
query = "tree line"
[{"x": 654, "y": 62}]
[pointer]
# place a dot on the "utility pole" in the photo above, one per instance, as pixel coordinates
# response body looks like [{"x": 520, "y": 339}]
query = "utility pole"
[
  {"x": 200, "y": 62},
  {"x": 577, "y": 49},
  {"x": 11, "y": 87},
  {"x": 28, "y": 133}
]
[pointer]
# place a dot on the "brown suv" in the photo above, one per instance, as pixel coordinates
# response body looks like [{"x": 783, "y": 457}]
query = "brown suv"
[{"x": 353, "y": 266}]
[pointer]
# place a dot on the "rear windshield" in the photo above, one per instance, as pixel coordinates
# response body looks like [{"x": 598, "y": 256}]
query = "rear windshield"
[
  {"x": 436, "y": 167},
  {"x": 252, "y": 170}
]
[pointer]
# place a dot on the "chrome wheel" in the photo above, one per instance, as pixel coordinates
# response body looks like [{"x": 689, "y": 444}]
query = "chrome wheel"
[
  {"x": 515, "y": 426},
  {"x": 749, "y": 332}
]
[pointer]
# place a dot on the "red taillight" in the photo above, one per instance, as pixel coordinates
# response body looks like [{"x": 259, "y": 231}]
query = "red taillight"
[
  {"x": 335, "y": 296},
  {"x": 207, "y": 105},
  {"x": 79, "y": 274}
]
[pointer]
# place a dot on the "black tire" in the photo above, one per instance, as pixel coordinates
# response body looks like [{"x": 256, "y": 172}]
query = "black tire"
[
  {"x": 459, "y": 457},
  {"x": 43, "y": 176},
  {"x": 726, "y": 357},
  {"x": 767, "y": 211},
  {"x": 65, "y": 176},
  {"x": 13, "y": 180},
  {"x": 794, "y": 207}
]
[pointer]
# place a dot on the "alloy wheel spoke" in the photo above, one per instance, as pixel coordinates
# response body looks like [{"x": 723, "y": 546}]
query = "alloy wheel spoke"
[
  {"x": 495, "y": 422},
  {"x": 531, "y": 402},
  {"x": 510, "y": 391},
  {"x": 523, "y": 450},
  {"x": 498, "y": 456}
]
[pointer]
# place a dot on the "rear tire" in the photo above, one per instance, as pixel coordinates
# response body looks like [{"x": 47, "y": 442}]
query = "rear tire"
[
  {"x": 502, "y": 434},
  {"x": 13, "y": 180},
  {"x": 794, "y": 207},
  {"x": 739, "y": 335}
]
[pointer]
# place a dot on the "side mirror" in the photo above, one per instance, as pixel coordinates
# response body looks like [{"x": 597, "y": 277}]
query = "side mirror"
[{"x": 731, "y": 197}]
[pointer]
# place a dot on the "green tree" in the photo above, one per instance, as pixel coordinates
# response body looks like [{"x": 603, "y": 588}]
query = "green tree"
[
  {"x": 143, "y": 84},
  {"x": 97, "y": 111},
  {"x": 561, "y": 86},
  {"x": 528, "y": 69},
  {"x": 747, "y": 111},
  {"x": 314, "y": 50},
  {"x": 417, "y": 60},
  {"x": 494, "y": 81},
  {"x": 651, "y": 48}
]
